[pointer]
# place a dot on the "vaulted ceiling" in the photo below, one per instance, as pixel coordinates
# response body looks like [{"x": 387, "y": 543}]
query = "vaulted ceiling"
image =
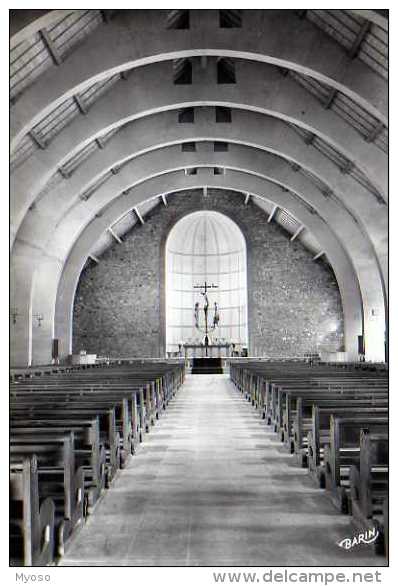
[{"x": 114, "y": 111}]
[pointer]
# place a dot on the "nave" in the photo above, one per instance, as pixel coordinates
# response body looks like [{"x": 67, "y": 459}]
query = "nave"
[{"x": 212, "y": 485}]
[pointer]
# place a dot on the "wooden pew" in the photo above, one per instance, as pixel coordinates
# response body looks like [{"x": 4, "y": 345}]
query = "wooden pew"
[
  {"x": 77, "y": 398},
  {"x": 287, "y": 395},
  {"x": 343, "y": 451},
  {"x": 140, "y": 398},
  {"x": 370, "y": 486},
  {"x": 103, "y": 412},
  {"x": 134, "y": 415},
  {"x": 303, "y": 423},
  {"x": 31, "y": 522},
  {"x": 109, "y": 437},
  {"x": 319, "y": 434},
  {"x": 261, "y": 383},
  {"x": 89, "y": 454},
  {"x": 326, "y": 411},
  {"x": 57, "y": 477}
]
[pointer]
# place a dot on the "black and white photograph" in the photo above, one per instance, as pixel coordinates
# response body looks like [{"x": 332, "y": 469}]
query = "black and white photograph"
[{"x": 198, "y": 293}]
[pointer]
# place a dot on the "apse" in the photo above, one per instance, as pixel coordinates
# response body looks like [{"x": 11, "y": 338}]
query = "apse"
[{"x": 206, "y": 247}]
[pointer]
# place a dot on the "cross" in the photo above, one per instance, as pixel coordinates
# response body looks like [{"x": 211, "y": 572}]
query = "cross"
[
  {"x": 39, "y": 318},
  {"x": 14, "y": 313},
  {"x": 206, "y": 286}
]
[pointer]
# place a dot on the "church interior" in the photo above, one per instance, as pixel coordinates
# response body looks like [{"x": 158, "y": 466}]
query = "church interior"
[{"x": 198, "y": 287}]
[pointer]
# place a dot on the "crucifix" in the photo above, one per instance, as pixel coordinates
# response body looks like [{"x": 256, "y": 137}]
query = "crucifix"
[
  {"x": 14, "y": 314},
  {"x": 216, "y": 318},
  {"x": 39, "y": 318}
]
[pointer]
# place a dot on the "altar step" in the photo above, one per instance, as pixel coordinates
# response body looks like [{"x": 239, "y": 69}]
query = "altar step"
[{"x": 207, "y": 366}]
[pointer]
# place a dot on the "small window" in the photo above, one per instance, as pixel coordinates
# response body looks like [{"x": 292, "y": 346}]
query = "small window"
[
  {"x": 191, "y": 171},
  {"x": 182, "y": 71},
  {"x": 178, "y": 19},
  {"x": 220, "y": 147},
  {"x": 188, "y": 147},
  {"x": 223, "y": 114},
  {"x": 186, "y": 116},
  {"x": 230, "y": 18},
  {"x": 226, "y": 71},
  {"x": 218, "y": 171}
]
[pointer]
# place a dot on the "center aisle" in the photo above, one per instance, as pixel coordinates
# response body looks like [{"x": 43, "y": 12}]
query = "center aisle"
[{"x": 211, "y": 486}]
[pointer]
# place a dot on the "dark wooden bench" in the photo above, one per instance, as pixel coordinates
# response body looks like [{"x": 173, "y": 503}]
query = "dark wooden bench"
[
  {"x": 319, "y": 434},
  {"x": 312, "y": 418},
  {"x": 58, "y": 478},
  {"x": 31, "y": 521},
  {"x": 303, "y": 422},
  {"x": 89, "y": 454},
  {"x": 343, "y": 450},
  {"x": 298, "y": 407},
  {"x": 370, "y": 482},
  {"x": 109, "y": 437},
  {"x": 80, "y": 426},
  {"x": 330, "y": 418}
]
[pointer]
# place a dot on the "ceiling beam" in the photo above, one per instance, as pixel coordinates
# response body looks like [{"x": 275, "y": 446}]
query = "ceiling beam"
[
  {"x": 80, "y": 104},
  {"x": 115, "y": 236},
  {"x": 330, "y": 98},
  {"x": 272, "y": 214},
  {"x": 94, "y": 258},
  {"x": 164, "y": 199},
  {"x": 309, "y": 139},
  {"x": 356, "y": 46},
  {"x": 247, "y": 198},
  {"x": 347, "y": 167},
  {"x": 137, "y": 213},
  {"x": 297, "y": 232},
  {"x": 52, "y": 49},
  {"x": 326, "y": 191},
  {"x": 37, "y": 139},
  {"x": 373, "y": 134},
  {"x": 64, "y": 173},
  {"x": 318, "y": 255},
  {"x": 205, "y": 191}
]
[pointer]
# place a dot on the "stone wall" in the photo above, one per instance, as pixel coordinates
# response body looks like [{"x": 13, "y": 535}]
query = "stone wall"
[{"x": 294, "y": 304}]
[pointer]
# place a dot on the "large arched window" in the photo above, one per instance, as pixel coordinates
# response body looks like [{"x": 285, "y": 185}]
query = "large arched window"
[{"x": 206, "y": 247}]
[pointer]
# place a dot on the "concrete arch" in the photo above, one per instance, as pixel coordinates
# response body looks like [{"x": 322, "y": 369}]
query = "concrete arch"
[
  {"x": 63, "y": 238},
  {"x": 278, "y": 172},
  {"x": 172, "y": 160},
  {"x": 49, "y": 266},
  {"x": 261, "y": 94},
  {"x": 109, "y": 50},
  {"x": 26, "y": 23},
  {"x": 27, "y": 182},
  {"x": 143, "y": 137},
  {"x": 140, "y": 169},
  {"x": 347, "y": 282},
  {"x": 32, "y": 23},
  {"x": 45, "y": 241}
]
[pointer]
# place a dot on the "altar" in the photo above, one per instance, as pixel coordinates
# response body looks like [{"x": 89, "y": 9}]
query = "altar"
[{"x": 213, "y": 350}]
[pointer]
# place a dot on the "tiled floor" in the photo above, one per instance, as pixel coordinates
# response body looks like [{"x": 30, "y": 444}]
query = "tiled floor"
[{"x": 212, "y": 486}]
